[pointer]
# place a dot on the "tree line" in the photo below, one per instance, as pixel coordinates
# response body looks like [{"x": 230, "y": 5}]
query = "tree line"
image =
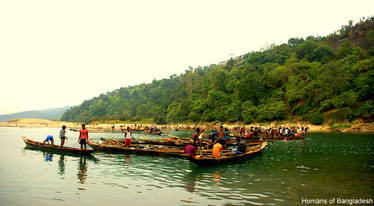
[{"x": 316, "y": 79}]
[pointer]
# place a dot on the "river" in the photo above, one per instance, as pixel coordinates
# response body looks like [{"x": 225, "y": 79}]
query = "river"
[{"x": 323, "y": 166}]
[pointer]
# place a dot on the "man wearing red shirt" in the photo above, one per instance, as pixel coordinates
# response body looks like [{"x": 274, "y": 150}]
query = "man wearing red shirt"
[{"x": 83, "y": 137}]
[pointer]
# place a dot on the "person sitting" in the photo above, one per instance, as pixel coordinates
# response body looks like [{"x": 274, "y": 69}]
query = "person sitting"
[
  {"x": 190, "y": 149},
  {"x": 49, "y": 139},
  {"x": 227, "y": 134},
  {"x": 221, "y": 132},
  {"x": 242, "y": 146},
  {"x": 217, "y": 148},
  {"x": 213, "y": 136}
]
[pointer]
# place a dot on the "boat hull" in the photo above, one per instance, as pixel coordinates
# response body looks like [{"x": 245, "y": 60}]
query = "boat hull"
[
  {"x": 210, "y": 161},
  {"x": 55, "y": 148},
  {"x": 121, "y": 148}
]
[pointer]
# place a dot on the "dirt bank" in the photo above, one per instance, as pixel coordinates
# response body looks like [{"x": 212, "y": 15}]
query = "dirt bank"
[{"x": 357, "y": 126}]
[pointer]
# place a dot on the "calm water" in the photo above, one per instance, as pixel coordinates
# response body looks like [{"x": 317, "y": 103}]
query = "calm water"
[{"x": 322, "y": 166}]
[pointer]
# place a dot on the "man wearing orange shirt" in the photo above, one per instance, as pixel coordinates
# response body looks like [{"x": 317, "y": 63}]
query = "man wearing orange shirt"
[
  {"x": 83, "y": 137},
  {"x": 217, "y": 148}
]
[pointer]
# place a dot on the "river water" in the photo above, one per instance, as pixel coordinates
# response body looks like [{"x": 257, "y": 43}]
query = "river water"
[{"x": 323, "y": 166}]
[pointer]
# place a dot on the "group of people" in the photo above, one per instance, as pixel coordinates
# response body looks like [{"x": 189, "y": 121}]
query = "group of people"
[
  {"x": 83, "y": 137},
  {"x": 273, "y": 132},
  {"x": 218, "y": 140},
  {"x": 152, "y": 129}
]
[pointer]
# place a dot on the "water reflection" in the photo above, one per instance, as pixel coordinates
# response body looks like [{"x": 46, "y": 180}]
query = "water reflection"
[
  {"x": 127, "y": 160},
  {"x": 217, "y": 178},
  {"x": 47, "y": 156},
  {"x": 82, "y": 170},
  {"x": 61, "y": 165}
]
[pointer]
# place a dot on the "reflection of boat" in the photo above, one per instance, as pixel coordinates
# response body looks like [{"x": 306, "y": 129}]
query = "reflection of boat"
[
  {"x": 56, "y": 148},
  {"x": 208, "y": 159},
  {"x": 120, "y": 147}
]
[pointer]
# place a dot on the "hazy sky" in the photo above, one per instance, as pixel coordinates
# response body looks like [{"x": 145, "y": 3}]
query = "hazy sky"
[{"x": 59, "y": 53}]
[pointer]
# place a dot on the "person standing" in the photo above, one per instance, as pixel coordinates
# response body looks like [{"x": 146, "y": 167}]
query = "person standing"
[
  {"x": 83, "y": 137},
  {"x": 63, "y": 135},
  {"x": 128, "y": 137},
  {"x": 195, "y": 136}
]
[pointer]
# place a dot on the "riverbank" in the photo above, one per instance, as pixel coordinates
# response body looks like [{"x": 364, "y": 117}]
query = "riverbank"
[{"x": 356, "y": 127}]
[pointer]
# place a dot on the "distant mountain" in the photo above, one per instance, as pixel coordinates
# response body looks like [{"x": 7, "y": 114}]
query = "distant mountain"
[{"x": 51, "y": 114}]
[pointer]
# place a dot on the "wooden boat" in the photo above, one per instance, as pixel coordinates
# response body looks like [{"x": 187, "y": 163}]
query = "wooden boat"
[
  {"x": 152, "y": 132},
  {"x": 52, "y": 148},
  {"x": 208, "y": 159},
  {"x": 120, "y": 147},
  {"x": 281, "y": 138},
  {"x": 144, "y": 141}
]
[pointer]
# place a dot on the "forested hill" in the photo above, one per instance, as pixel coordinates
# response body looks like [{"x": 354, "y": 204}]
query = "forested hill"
[
  {"x": 50, "y": 114},
  {"x": 318, "y": 79}
]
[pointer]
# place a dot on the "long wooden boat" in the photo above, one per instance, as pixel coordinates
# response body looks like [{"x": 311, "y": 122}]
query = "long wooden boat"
[
  {"x": 120, "y": 147},
  {"x": 143, "y": 141},
  {"x": 209, "y": 160},
  {"x": 281, "y": 138},
  {"x": 152, "y": 132},
  {"x": 271, "y": 139},
  {"x": 54, "y": 148}
]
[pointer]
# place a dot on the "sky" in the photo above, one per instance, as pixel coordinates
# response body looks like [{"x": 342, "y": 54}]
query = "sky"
[{"x": 60, "y": 53}]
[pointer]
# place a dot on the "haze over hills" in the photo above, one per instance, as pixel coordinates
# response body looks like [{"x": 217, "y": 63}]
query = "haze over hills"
[
  {"x": 321, "y": 79},
  {"x": 50, "y": 114}
]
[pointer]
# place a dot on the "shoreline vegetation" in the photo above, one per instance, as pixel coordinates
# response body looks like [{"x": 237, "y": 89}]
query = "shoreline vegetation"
[
  {"x": 358, "y": 126},
  {"x": 323, "y": 80}
]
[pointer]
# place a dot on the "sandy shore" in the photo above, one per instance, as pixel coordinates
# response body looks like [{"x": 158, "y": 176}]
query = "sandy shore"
[{"x": 357, "y": 126}]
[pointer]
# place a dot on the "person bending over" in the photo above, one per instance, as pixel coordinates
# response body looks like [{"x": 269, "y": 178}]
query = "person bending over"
[{"x": 49, "y": 139}]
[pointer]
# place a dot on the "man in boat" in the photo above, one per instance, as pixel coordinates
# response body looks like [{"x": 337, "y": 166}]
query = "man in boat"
[
  {"x": 128, "y": 137},
  {"x": 63, "y": 135},
  {"x": 227, "y": 135},
  {"x": 49, "y": 139},
  {"x": 190, "y": 149},
  {"x": 255, "y": 133},
  {"x": 221, "y": 133},
  {"x": 306, "y": 129},
  {"x": 241, "y": 148},
  {"x": 217, "y": 148},
  {"x": 195, "y": 136},
  {"x": 83, "y": 137},
  {"x": 213, "y": 136}
]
